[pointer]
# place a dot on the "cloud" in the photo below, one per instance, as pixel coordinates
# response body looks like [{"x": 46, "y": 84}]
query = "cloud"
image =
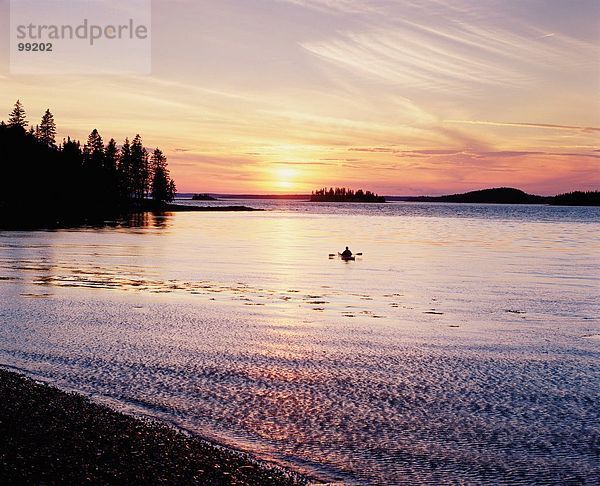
[
  {"x": 441, "y": 46},
  {"x": 525, "y": 125},
  {"x": 336, "y": 6},
  {"x": 304, "y": 163},
  {"x": 470, "y": 154}
]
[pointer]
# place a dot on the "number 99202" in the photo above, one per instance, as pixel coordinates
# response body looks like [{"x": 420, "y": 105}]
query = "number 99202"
[{"x": 34, "y": 47}]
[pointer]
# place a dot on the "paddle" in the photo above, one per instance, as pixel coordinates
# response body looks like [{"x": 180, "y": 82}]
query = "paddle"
[{"x": 331, "y": 255}]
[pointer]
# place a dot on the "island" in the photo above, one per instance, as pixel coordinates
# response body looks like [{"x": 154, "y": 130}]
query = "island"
[
  {"x": 203, "y": 197},
  {"x": 577, "y": 198},
  {"x": 341, "y": 194},
  {"x": 509, "y": 195}
]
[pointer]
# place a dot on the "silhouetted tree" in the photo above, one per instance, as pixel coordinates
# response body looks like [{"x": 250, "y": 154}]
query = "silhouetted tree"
[
  {"x": 93, "y": 151},
  {"x": 111, "y": 156},
  {"x": 16, "y": 117},
  {"x": 124, "y": 171},
  {"x": 139, "y": 168},
  {"x": 47, "y": 130},
  {"x": 341, "y": 194},
  {"x": 71, "y": 183},
  {"x": 111, "y": 176},
  {"x": 94, "y": 174},
  {"x": 163, "y": 188}
]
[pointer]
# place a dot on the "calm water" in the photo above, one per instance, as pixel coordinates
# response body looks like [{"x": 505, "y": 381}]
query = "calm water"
[{"x": 462, "y": 347}]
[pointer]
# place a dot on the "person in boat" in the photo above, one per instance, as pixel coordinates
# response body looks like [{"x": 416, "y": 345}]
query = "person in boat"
[{"x": 347, "y": 253}]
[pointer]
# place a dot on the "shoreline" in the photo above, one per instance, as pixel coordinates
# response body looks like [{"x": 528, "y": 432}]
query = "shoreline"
[
  {"x": 26, "y": 222},
  {"x": 170, "y": 208},
  {"x": 53, "y": 436}
]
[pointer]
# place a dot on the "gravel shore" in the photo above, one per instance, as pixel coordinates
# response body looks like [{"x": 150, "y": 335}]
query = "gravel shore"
[{"x": 48, "y": 436}]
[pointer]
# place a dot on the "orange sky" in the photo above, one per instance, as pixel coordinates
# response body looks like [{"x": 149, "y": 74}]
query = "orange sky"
[{"x": 286, "y": 96}]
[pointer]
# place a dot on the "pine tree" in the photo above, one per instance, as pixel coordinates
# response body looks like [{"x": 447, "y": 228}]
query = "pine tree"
[
  {"x": 163, "y": 188},
  {"x": 172, "y": 190},
  {"x": 124, "y": 171},
  {"x": 47, "y": 130},
  {"x": 71, "y": 153},
  {"x": 93, "y": 151},
  {"x": 16, "y": 117},
  {"x": 139, "y": 168},
  {"x": 111, "y": 156}
]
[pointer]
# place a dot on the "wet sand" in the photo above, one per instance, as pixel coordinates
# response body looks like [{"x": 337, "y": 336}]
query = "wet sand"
[{"x": 53, "y": 437}]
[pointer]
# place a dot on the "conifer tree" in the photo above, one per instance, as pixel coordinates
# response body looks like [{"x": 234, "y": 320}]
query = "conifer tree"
[
  {"x": 124, "y": 170},
  {"x": 47, "y": 130},
  {"x": 162, "y": 188},
  {"x": 111, "y": 156},
  {"x": 139, "y": 168},
  {"x": 93, "y": 151},
  {"x": 71, "y": 152},
  {"x": 16, "y": 117}
]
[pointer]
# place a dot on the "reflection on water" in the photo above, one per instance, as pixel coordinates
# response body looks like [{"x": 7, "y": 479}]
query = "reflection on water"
[
  {"x": 458, "y": 348},
  {"x": 140, "y": 220}
]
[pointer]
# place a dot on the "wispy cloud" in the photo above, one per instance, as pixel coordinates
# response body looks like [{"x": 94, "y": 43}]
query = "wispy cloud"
[
  {"x": 340, "y": 6},
  {"x": 458, "y": 47},
  {"x": 495, "y": 154},
  {"x": 525, "y": 125}
]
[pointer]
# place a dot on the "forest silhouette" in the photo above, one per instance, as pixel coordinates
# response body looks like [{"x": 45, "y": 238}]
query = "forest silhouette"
[
  {"x": 342, "y": 194},
  {"x": 45, "y": 182}
]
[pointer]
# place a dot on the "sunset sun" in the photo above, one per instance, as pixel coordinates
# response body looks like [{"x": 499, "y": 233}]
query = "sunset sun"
[{"x": 285, "y": 177}]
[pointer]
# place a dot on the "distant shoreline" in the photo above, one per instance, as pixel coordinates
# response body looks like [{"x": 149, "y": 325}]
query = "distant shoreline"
[
  {"x": 499, "y": 195},
  {"x": 52, "y": 437},
  {"x": 185, "y": 208}
]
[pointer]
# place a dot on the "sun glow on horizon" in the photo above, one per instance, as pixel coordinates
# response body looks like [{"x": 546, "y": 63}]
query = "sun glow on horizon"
[{"x": 285, "y": 178}]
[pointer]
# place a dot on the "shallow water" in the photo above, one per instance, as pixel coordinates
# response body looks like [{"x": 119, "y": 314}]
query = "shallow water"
[{"x": 462, "y": 347}]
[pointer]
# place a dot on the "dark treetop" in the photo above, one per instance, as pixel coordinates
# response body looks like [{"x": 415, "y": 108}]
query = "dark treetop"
[
  {"x": 68, "y": 183},
  {"x": 341, "y": 194}
]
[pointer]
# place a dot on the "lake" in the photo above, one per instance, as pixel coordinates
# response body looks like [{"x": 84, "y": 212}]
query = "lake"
[{"x": 463, "y": 346}]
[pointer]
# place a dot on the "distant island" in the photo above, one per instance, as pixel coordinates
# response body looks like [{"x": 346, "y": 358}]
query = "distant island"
[
  {"x": 341, "y": 194},
  {"x": 203, "y": 197},
  {"x": 509, "y": 195},
  {"x": 577, "y": 198}
]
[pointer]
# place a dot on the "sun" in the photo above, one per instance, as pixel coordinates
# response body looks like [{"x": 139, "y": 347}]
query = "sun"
[{"x": 284, "y": 177}]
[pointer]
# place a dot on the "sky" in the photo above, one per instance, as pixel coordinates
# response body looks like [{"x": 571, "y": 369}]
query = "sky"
[{"x": 399, "y": 97}]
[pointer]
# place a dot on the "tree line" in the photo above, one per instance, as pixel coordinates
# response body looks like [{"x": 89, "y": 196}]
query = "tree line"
[
  {"x": 341, "y": 194},
  {"x": 66, "y": 179}
]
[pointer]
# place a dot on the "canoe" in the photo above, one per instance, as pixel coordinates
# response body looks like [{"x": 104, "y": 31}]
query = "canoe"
[{"x": 347, "y": 259}]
